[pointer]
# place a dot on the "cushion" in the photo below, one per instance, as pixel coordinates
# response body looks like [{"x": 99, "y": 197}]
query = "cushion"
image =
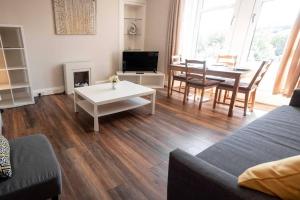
[
  {"x": 216, "y": 78},
  {"x": 278, "y": 178},
  {"x": 230, "y": 84},
  {"x": 179, "y": 77},
  {"x": 199, "y": 82},
  {"x": 5, "y": 167}
]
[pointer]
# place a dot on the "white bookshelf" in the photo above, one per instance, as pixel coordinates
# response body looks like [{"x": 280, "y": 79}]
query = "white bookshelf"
[
  {"x": 15, "y": 88},
  {"x": 148, "y": 79}
]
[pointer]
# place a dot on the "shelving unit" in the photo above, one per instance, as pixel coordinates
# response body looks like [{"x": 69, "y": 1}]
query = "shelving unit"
[
  {"x": 15, "y": 89},
  {"x": 132, "y": 12}
]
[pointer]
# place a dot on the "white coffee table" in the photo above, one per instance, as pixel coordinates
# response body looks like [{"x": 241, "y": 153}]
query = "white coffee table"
[{"x": 100, "y": 100}]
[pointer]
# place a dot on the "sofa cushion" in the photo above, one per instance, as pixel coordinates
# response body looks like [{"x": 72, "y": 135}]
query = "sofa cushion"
[
  {"x": 272, "y": 137},
  {"x": 5, "y": 167},
  {"x": 36, "y": 170}
]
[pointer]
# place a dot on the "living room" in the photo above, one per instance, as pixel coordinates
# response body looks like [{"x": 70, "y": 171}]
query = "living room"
[{"x": 149, "y": 99}]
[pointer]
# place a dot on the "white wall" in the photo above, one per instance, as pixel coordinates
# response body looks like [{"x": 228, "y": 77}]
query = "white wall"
[
  {"x": 47, "y": 51},
  {"x": 156, "y": 28}
]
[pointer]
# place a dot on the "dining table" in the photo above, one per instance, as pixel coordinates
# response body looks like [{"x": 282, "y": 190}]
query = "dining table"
[{"x": 212, "y": 70}]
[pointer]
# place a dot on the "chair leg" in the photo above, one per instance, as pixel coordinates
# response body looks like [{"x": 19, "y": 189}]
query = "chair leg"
[
  {"x": 185, "y": 93},
  {"x": 225, "y": 96},
  {"x": 55, "y": 198},
  {"x": 188, "y": 93},
  {"x": 195, "y": 93},
  {"x": 172, "y": 85},
  {"x": 215, "y": 99},
  {"x": 219, "y": 96},
  {"x": 201, "y": 98},
  {"x": 246, "y": 103},
  {"x": 180, "y": 85},
  {"x": 252, "y": 101}
]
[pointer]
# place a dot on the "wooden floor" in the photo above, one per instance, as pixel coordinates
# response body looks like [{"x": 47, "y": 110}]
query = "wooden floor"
[{"x": 129, "y": 158}]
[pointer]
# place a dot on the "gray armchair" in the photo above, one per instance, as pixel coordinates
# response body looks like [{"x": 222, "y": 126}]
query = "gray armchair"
[{"x": 36, "y": 171}]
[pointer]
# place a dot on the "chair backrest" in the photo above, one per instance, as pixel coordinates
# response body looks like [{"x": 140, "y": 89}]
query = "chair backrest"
[
  {"x": 262, "y": 70},
  {"x": 175, "y": 59},
  {"x": 201, "y": 70},
  {"x": 226, "y": 59}
]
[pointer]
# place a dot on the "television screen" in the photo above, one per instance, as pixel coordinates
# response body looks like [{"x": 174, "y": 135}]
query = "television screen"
[{"x": 140, "y": 61}]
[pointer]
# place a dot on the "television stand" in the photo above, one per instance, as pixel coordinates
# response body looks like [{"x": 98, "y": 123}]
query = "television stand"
[{"x": 148, "y": 79}]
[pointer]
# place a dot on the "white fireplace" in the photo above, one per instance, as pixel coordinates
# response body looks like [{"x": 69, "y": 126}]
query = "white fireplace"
[{"x": 78, "y": 74}]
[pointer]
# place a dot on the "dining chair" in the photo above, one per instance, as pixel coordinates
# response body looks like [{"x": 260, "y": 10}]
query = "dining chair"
[
  {"x": 248, "y": 89},
  {"x": 197, "y": 80},
  {"x": 181, "y": 77},
  {"x": 227, "y": 60}
]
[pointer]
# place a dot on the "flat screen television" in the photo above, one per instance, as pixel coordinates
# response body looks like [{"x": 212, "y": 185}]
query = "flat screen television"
[{"x": 140, "y": 61}]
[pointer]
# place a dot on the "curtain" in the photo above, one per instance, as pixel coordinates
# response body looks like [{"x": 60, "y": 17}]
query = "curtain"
[
  {"x": 288, "y": 76},
  {"x": 174, "y": 29}
]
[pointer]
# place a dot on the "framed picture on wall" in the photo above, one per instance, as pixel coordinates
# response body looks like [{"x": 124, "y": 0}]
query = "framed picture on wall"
[{"x": 75, "y": 17}]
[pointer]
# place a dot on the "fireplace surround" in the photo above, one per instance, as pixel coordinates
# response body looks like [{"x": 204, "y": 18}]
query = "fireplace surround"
[{"x": 78, "y": 74}]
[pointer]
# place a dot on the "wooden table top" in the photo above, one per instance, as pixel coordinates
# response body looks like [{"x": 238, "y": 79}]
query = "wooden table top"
[{"x": 217, "y": 70}]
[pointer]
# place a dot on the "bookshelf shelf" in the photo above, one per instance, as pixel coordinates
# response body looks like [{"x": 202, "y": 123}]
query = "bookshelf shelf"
[
  {"x": 17, "y": 68},
  {"x": 4, "y": 86},
  {"x": 19, "y": 85},
  {"x": 132, "y": 18}
]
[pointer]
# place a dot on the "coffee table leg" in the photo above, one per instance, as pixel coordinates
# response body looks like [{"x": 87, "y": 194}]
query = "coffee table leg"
[
  {"x": 153, "y": 103},
  {"x": 96, "y": 123},
  {"x": 75, "y": 102}
]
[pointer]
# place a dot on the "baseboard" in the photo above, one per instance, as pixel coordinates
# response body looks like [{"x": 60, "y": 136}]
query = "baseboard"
[
  {"x": 49, "y": 91},
  {"x": 56, "y": 90}
]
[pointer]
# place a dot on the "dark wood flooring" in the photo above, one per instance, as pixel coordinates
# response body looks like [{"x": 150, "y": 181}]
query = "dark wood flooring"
[{"x": 129, "y": 158}]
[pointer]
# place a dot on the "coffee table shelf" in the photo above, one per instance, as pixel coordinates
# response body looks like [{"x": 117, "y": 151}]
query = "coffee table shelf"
[
  {"x": 115, "y": 107},
  {"x": 100, "y": 100}
]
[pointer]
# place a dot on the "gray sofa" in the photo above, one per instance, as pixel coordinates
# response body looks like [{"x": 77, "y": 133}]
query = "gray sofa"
[
  {"x": 213, "y": 173},
  {"x": 36, "y": 171}
]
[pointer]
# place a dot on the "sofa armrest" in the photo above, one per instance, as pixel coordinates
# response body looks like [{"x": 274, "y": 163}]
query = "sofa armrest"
[
  {"x": 193, "y": 178},
  {"x": 295, "y": 100}
]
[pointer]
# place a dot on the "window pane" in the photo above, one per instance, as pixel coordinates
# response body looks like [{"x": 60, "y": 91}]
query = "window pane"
[
  {"x": 273, "y": 28},
  {"x": 214, "y": 28}
]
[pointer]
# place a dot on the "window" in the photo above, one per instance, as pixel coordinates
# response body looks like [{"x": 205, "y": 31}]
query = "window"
[
  {"x": 270, "y": 26},
  {"x": 274, "y": 24},
  {"x": 255, "y": 30},
  {"x": 206, "y": 28}
]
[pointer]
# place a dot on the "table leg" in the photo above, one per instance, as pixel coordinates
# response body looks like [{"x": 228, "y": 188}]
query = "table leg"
[
  {"x": 169, "y": 80},
  {"x": 96, "y": 123},
  {"x": 75, "y": 102},
  {"x": 234, "y": 94},
  {"x": 153, "y": 103}
]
